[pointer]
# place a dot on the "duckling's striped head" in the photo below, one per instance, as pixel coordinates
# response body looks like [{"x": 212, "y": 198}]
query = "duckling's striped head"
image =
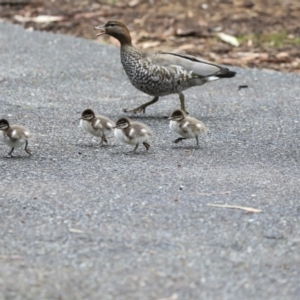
[
  {"x": 4, "y": 124},
  {"x": 122, "y": 123},
  {"x": 177, "y": 115},
  {"x": 88, "y": 115}
]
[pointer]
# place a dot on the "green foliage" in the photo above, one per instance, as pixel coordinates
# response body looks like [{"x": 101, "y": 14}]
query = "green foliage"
[
  {"x": 112, "y": 2},
  {"x": 276, "y": 40}
]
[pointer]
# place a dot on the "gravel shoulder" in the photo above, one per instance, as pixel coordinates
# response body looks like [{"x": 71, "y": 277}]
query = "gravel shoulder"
[{"x": 82, "y": 222}]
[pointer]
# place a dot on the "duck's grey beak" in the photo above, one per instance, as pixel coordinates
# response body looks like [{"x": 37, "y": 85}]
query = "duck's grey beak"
[{"x": 101, "y": 28}]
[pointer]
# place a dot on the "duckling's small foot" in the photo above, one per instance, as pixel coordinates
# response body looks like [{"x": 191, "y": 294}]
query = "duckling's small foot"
[
  {"x": 28, "y": 151},
  {"x": 103, "y": 140},
  {"x": 9, "y": 155},
  {"x": 133, "y": 151},
  {"x": 147, "y": 145}
]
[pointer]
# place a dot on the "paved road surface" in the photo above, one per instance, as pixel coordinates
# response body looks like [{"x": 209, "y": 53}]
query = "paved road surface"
[{"x": 82, "y": 222}]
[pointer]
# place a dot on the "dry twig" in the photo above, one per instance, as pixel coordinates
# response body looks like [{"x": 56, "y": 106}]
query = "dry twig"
[{"x": 248, "y": 209}]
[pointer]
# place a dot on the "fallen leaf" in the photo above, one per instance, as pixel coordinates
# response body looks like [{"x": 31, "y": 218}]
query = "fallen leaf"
[
  {"x": 283, "y": 56},
  {"x": 133, "y": 3},
  {"x": 249, "y": 56},
  {"x": 38, "y": 19},
  {"x": 75, "y": 230},
  {"x": 147, "y": 45},
  {"x": 185, "y": 32},
  {"x": 89, "y": 15},
  {"x": 185, "y": 47},
  {"x": 229, "y": 39},
  {"x": 173, "y": 297}
]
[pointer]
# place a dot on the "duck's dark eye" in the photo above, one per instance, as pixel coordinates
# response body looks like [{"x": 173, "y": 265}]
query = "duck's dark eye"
[{"x": 112, "y": 24}]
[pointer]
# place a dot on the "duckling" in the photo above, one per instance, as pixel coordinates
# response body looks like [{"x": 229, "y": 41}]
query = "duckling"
[
  {"x": 186, "y": 126},
  {"x": 98, "y": 126},
  {"x": 14, "y": 136},
  {"x": 132, "y": 133}
]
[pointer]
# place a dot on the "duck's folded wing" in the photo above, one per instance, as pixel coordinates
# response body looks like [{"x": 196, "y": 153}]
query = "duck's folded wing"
[{"x": 191, "y": 63}]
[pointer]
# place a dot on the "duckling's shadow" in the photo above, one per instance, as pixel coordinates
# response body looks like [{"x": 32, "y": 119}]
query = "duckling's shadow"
[
  {"x": 94, "y": 146},
  {"x": 187, "y": 147},
  {"x": 131, "y": 154},
  {"x": 15, "y": 157}
]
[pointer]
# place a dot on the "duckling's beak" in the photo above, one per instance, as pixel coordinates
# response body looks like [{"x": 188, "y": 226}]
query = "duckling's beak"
[{"x": 101, "y": 28}]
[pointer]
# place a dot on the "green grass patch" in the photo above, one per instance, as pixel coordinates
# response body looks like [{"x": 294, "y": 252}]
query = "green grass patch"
[{"x": 276, "y": 40}]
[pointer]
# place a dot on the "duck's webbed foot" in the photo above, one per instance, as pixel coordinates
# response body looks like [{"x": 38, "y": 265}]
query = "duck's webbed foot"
[
  {"x": 178, "y": 140},
  {"x": 142, "y": 108}
]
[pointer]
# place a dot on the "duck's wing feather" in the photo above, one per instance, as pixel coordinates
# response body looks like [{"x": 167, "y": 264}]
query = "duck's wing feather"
[
  {"x": 96, "y": 123},
  {"x": 191, "y": 63}
]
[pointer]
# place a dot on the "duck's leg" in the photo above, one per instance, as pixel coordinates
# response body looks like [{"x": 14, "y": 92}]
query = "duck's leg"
[
  {"x": 182, "y": 103},
  {"x": 197, "y": 140},
  {"x": 141, "y": 108},
  {"x": 147, "y": 145},
  {"x": 27, "y": 149}
]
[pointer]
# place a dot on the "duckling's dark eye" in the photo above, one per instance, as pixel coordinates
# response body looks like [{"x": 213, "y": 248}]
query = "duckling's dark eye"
[{"x": 112, "y": 24}]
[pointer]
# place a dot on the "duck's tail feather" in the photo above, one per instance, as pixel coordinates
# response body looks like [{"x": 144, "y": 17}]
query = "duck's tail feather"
[
  {"x": 225, "y": 73},
  {"x": 199, "y": 67}
]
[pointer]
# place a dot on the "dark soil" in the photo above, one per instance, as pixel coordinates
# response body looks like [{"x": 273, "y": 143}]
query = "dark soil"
[{"x": 268, "y": 30}]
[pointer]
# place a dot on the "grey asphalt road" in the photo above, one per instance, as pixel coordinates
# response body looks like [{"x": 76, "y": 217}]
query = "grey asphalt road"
[{"x": 83, "y": 222}]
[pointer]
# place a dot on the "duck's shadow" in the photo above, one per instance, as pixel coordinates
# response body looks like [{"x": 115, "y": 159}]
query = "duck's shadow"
[{"x": 146, "y": 117}]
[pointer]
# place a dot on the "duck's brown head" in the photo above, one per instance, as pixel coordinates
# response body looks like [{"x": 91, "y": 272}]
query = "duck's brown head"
[{"x": 117, "y": 29}]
